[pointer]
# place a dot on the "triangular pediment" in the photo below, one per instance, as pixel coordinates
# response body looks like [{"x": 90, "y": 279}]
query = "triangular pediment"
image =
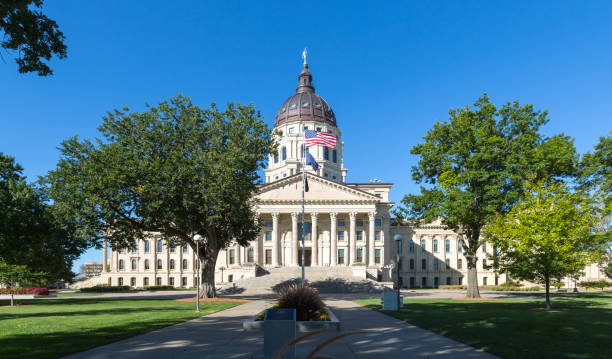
[{"x": 320, "y": 189}]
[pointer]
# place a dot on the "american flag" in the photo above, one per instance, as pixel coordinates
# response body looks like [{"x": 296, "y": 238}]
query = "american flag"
[{"x": 324, "y": 139}]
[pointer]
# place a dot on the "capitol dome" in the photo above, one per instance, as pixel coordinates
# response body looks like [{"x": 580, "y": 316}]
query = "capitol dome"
[{"x": 305, "y": 105}]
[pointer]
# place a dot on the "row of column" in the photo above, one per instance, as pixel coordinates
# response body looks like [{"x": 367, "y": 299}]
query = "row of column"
[{"x": 314, "y": 216}]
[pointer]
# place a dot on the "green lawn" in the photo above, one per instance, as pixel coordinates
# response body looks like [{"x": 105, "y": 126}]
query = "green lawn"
[
  {"x": 578, "y": 326},
  {"x": 78, "y": 294},
  {"x": 55, "y": 327}
]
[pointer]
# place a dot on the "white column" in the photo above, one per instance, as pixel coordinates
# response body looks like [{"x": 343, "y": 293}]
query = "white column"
[
  {"x": 294, "y": 238},
  {"x": 105, "y": 257},
  {"x": 371, "y": 217},
  {"x": 314, "y": 237},
  {"x": 238, "y": 251},
  {"x": 387, "y": 240},
  {"x": 275, "y": 239},
  {"x": 352, "y": 238},
  {"x": 333, "y": 238}
]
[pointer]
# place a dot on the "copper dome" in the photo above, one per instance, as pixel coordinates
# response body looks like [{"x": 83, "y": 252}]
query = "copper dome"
[{"x": 305, "y": 105}]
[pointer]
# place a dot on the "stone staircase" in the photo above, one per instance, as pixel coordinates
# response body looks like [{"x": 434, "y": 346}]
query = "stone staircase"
[{"x": 325, "y": 279}]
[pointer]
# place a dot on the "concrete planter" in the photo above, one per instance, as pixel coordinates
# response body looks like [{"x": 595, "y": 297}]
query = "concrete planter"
[
  {"x": 254, "y": 325},
  {"x": 25, "y": 296}
]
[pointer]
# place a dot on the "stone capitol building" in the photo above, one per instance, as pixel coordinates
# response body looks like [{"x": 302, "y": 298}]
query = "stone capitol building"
[{"x": 349, "y": 225}]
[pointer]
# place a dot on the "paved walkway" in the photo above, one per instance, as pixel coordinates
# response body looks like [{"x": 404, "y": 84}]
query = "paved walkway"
[{"x": 220, "y": 335}]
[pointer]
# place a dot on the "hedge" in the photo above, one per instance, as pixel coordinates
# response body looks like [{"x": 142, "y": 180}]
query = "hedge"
[
  {"x": 25, "y": 290},
  {"x": 159, "y": 287},
  {"x": 106, "y": 288},
  {"x": 599, "y": 284}
]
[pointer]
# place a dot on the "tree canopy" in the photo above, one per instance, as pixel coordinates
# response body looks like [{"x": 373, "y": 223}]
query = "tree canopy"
[
  {"x": 175, "y": 170},
  {"x": 547, "y": 235},
  {"x": 475, "y": 165},
  {"x": 32, "y": 34}
]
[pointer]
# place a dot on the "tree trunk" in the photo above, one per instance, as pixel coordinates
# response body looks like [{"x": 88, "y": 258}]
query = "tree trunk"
[
  {"x": 472, "y": 285},
  {"x": 547, "y": 284},
  {"x": 207, "y": 273},
  {"x": 12, "y": 303}
]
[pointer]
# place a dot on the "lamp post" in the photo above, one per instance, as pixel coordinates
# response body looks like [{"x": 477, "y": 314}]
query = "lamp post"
[
  {"x": 197, "y": 238},
  {"x": 222, "y": 268},
  {"x": 398, "y": 254}
]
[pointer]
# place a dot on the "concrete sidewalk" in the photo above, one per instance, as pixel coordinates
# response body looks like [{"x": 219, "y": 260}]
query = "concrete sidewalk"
[{"x": 220, "y": 335}]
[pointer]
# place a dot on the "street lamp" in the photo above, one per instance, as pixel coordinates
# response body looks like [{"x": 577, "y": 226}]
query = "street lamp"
[
  {"x": 398, "y": 254},
  {"x": 222, "y": 268},
  {"x": 197, "y": 238}
]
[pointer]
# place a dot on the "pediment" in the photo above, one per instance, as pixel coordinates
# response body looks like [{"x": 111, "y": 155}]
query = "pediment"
[{"x": 320, "y": 189}]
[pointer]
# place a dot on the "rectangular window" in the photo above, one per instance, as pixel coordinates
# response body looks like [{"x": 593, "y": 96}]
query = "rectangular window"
[
  {"x": 120, "y": 281},
  {"x": 484, "y": 264},
  {"x": 160, "y": 246},
  {"x": 340, "y": 235},
  {"x": 448, "y": 280},
  {"x": 171, "y": 281},
  {"x": 359, "y": 223},
  {"x": 268, "y": 256},
  {"x": 424, "y": 282},
  {"x": 145, "y": 281},
  {"x": 411, "y": 263},
  {"x": 340, "y": 256},
  {"x": 411, "y": 246},
  {"x": 447, "y": 262},
  {"x": 185, "y": 249},
  {"x": 268, "y": 223},
  {"x": 121, "y": 250},
  {"x": 484, "y": 247},
  {"x": 172, "y": 249},
  {"x": 436, "y": 265},
  {"x": 423, "y": 245},
  {"x": 183, "y": 281},
  {"x": 340, "y": 222},
  {"x": 250, "y": 255},
  {"x": 377, "y": 256},
  {"x": 459, "y": 246},
  {"x": 326, "y": 153},
  {"x": 359, "y": 235},
  {"x": 435, "y": 246},
  {"x": 232, "y": 256},
  {"x": 134, "y": 247},
  {"x": 378, "y": 222},
  {"x": 447, "y": 245},
  {"x": 359, "y": 255},
  {"x": 147, "y": 246},
  {"x": 334, "y": 156},
  {"x": 484, "y": 280},
  {"x": 423, "y": 264},
  {"x": 158, "y": 281},
  {"x": 268, "y": 236},
  {"x": 132, "y": 282},
  {"x": 291, "y": 130},
  {"x": 377, "y": 235},
  {"x": 459, "y": 264}
]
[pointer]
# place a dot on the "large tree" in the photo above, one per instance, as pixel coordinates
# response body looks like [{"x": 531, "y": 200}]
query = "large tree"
[
  {"x": 176, "y": 170},
  {"x": 32, "y": 34},
  {"x": 475, "y": 166},
  {"x": 30, "y": 233},
  {"x": 549, "y": 234}
]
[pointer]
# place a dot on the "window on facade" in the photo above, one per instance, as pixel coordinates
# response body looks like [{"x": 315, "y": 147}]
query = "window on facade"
[
  {"x": 484, "y": 264},
  {"x": 436, "y": 282},
  {"x": 132, "y": 282},
  {"x": 121, "y": 250},
  {"x": 268, "y": 235},
  {"x": 291, "y": 130},
  {"x": 305, "y": 128},
  {"x": 359, "y": 223},
  {"x": 411, "y": 263},
  {"x": 359, "y": 235},
  {"x": 377, "y": 256},
  {"x": 275, "y": 157},
  {"x": 158, "y": 281},
  {"x": 268, "y": 223},
  {"x": 185, "y": 249},
  {"x": 172, "y": 264},
  {"x": 460, "y": 280},
  {"x": 377, "y": 235},
  {"x": 284, "y": 153},
  {"x": 232, "y": 256},
  {"x": 185, "y": 264},
  {"x": 447, "y": 245},
  {"x": 411, "y": 246},
  {"x": 459, "y": 246},
  {"x": 146, "y": 264},
  {"x": 230, "y": 278},
  {"x": 423, "y": 264},
  {"x": 120, "y": 281},
  {"x": 145, "y": 281},
  {"x": 134, "y": 247},
  {"x": 334, "y": 156},
  {"x": 359, "y": 255},
  {"x": 484, "y": 280},
  {"x": 121, "y": 264},
  {"x": 268, "y": 256},
  {"x": 250, "y": 255},
  {"x": 307, "y": 230},
  {"x": 172, "y": 249},
  {"x": 435, "y": 246},
  {"x": 319, "y": 129},
  {"x": 424, "y": 282},
  {"x": 448, "y": 280},
  {"x": 134, "y": 264},
  {"x": 147, "y": 245},
  {"x": 340, "y": 256},
  {"x": 423, "y": 244},
  {"x": 341, "y": 222},
  {"x": 340, "y": 235},
  {"x": 183, "y": 281},
  {"x": 378, "y": 222},
  {"x": 436, "y": 265},
  {"x": 484, "y": 247},
  {"x": 159, "y": 264},
  {"x": 160, "y": 246},
  {"x": 326, "y": 153},
  {"x": 171, "y": 281},
  {"x": 447, "y": 262},
  {"x": 459, "y": 263}
]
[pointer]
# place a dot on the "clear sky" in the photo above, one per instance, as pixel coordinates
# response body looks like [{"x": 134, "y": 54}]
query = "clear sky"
[{"x": 388, "y": 69}]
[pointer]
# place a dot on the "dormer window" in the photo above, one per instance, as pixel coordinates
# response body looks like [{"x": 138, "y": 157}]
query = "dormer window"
[
  {"x": 318, "y": 128},
  {"x": 317, "y": 105},
  {"x": 291, "y": 129},
  {"x": 293, "y": 105},
  {"x": 305, "y": 104}
]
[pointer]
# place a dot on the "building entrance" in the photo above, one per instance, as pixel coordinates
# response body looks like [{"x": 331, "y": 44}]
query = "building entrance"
[{"x": 307, "y": 257}]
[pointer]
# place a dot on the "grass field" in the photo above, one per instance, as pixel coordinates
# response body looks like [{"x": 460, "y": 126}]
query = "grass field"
[
  {"x": 55, "y": 327},
  {"x": 579, "y": 325}
]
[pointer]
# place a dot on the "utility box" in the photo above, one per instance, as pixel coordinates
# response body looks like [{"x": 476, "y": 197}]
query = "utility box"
[
  {"x": 389, "y": 301},
  {"x": 279, "y": 330}
]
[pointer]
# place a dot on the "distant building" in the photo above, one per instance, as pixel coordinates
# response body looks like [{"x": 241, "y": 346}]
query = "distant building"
[{"x": 92, "y": 269}]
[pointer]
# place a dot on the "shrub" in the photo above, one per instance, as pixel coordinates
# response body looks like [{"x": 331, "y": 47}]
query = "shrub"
[
  {"x": 159, "y": 287},
  {"x": 305, "y": 300},
  {"x": 557, "y": 284},
  {"x": 456, "y": 286},
  {"x": 26, "y": 290},
  {"x": 106, "y": 288},
  {"x": 599, "y": 284}
]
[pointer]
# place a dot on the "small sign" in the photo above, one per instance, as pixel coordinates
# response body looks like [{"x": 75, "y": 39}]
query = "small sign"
[{"x": 280, "y": 314}]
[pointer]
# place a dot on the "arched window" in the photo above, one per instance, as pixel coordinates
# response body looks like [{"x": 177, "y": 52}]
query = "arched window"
[
  {"x": 146, "y": 264},
  {"x": 159, "y": 264},
  {"x": 121, "y": 264},
  {"x": 275, "y": 157},
  {"x": 334, "y": 156},
  {"x": 326, "y": 153},
  {"x": 172, "y": 264},
  {"x": 185, "y": 264},
  {"x": 284, "y": 153},
  {"x": 134, "y": 264}
]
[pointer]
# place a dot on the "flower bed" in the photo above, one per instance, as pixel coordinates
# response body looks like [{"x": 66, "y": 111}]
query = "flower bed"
[
  {"x": 25, "y": 290},
  {"x": 106, "y": 288}
]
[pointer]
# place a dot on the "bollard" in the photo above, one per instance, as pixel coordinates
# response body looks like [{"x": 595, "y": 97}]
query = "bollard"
[{"x": 279, "y": 330}]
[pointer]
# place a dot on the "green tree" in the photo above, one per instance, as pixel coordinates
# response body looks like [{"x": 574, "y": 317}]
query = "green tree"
[
  {"x": 11, "y": 275},
  {"x": 596, "y": 172},
  {"x": 176, "y": 169},
  {"x": 548, "y": 235},
  {"x": 32, "y": 34},
  {"x": 29, "y": 232},
  {"x": 475, "y": 166}
]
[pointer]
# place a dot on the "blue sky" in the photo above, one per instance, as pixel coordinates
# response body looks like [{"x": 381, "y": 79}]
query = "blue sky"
[{"x": 389, "y": 70}]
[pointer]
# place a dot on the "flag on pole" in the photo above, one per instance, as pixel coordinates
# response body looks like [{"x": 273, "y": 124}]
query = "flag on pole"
[
  {"x": 311, "y": 161},
  {"x": 324, "y": 139}
]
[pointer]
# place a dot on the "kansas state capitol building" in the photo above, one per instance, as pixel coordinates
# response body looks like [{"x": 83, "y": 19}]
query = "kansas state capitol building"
[{"x": 348, "y": 223}]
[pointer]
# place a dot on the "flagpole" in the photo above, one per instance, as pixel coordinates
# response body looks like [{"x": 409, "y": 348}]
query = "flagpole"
[{"x": 303, "y": 204}]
